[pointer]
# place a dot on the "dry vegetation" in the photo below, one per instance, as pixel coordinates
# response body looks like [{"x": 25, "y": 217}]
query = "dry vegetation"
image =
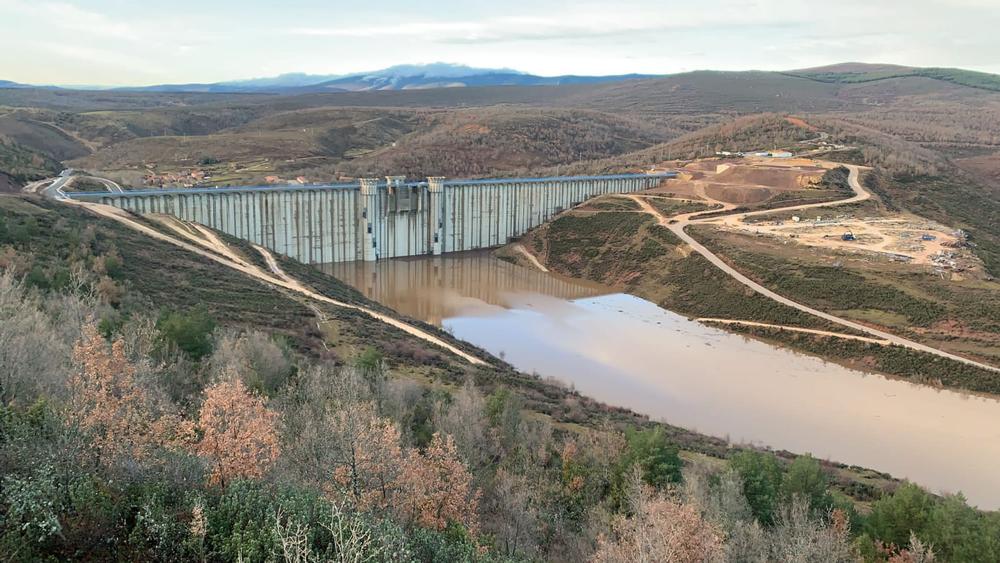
[
  {"x": 244, "y": 429},
  {"x": 234, "y": 430},
  {"x": 497, "y": 131},
  {"x": 952, "y": 309}
]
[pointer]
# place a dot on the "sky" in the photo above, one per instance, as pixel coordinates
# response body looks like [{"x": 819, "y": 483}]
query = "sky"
[{"x": 141, "y": 42}]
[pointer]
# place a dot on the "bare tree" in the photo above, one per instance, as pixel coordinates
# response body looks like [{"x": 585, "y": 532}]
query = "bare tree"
[
  {"x": 256, "y": 357},
  {"x": 516, "y": 516},
  {"x": 798, "y": 537},
  {"x": 34, "y": 356},
  {"x": 463, "y": 420},
  {"x": 660, "y": 529}
]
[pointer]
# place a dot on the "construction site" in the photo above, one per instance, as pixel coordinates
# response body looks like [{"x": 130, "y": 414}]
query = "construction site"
[
  {"x": 745, "y": 182},
  {"x": 902, "y": 238},
  {"x": 755, "y": 184}
]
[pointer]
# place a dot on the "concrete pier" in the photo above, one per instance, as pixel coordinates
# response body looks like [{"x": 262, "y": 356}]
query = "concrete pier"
[{"x": 377, "y": 219}]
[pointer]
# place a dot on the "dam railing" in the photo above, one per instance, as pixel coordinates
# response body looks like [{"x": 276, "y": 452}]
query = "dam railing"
[{"x": 375, "y": 218}]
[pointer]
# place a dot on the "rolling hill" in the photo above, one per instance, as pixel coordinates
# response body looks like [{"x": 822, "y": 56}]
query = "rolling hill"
[
  {"x": 494, "y": 130},
  {"x": 400, "y": 77},
  {"x": 331, "y": 142},
  {"x": 851, "y": 73},
  {"x": 931, "y": 136}
]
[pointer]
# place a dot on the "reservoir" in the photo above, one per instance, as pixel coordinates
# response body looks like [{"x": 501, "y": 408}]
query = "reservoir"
[{"x": 628, "y": 352}]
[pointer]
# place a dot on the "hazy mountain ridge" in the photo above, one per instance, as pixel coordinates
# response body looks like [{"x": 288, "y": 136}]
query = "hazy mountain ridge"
[
  {"x": 854, "y": 73},
  {"x": 11, "y": 84},
  {"x": 399, "y": 77},
  {"x": 446, "y": 75}
]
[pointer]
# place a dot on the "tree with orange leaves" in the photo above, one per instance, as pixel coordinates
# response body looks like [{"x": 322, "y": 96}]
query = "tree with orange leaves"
[
  {"x": 239, "y": 433},
  {"x": 436, "y": 488},
  {"x": 369, "y": 458},
  {"x": 660, "y": 529},
  {"x": 107, "y": 402}
]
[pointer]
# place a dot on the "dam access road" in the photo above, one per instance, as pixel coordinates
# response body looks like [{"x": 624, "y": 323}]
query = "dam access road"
[{"x": 677, "y": 225}]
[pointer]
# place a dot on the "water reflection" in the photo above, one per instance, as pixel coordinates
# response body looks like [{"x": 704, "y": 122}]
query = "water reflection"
[
  {"x": 437, "y": 288},
  {"x": 626, "y": 351}
]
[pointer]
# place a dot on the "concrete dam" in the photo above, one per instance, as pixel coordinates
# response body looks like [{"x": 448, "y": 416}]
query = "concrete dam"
[{"x": 377, "y": 219}]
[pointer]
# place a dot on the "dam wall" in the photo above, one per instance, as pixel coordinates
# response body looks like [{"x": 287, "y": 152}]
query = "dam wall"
[{"x": 376, "y": 219}]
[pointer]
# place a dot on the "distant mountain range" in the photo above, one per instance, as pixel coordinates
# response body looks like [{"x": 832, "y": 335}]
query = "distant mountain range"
[
  {"x": 401, "y": 77},
  {"x": 444, "y": 75},
  {"x": 9, "y": 84}
]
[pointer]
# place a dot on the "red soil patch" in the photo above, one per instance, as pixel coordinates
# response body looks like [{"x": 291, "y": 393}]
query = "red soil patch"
[
  {"x": 737, "y": 194},
  {"x": 798, "y": 122},
  {"x": 679, "y": 188},
  {"x": 780, "y": 178}
]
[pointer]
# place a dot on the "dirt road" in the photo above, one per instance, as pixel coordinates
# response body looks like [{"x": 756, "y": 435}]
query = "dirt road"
[
  {"x": 297, "y": 286},
  {"x": 794, "y": 329},
  {"x": 531, "y": 257},
  {"x": 860, "y": 194},
  {"x": 205, "y": 243}
]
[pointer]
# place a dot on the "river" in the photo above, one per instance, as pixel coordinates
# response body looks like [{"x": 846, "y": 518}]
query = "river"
[{"x": 626, "y": 351}]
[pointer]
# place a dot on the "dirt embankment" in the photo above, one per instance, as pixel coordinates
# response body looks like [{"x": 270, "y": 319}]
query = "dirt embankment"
[
  {"x": 737, "y": 194},
  {"x": 747, "y": 181},
  {"x": 779, "y": 178},
  {"x": 202, "y": 241}
]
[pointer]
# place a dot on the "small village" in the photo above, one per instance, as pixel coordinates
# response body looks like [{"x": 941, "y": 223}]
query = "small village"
[{"x": 197, "y": 177}]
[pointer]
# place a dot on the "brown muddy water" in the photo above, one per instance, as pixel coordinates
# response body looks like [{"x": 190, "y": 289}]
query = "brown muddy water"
[{"x": 626, "y": 351}]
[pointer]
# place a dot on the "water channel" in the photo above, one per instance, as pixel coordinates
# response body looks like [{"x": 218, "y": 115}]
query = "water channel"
[{"x": 626, "y": 351}]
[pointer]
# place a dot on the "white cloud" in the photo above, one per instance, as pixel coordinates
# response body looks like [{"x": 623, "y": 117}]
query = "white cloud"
[
  {"x": 184, "y": 41},
  {"x": 583, "y": 22},
  {"x": 74, "y": 18},
  {"x": 108, "y": 58},
  {"x": 70, "y": 17}
]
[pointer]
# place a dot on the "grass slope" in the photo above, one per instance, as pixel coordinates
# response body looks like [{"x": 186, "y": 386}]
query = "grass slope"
[
  {"x": 628, "y": 250},
  {"x": 970, "y": 78},
  {"x": 47, "y": 239},
  {"x": 23, "y": 165}
]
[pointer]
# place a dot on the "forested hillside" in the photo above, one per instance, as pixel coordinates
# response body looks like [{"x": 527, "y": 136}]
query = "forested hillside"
[
  {"x": 160, "y": 406},
  {"x": 22, "y": 164},
  {"x": 464, "y": 132},
  {"x": 168, "y": 421}
]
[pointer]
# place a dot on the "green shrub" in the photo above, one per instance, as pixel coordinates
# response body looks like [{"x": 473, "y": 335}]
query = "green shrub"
[
  {"x": 805, "y": 479},
  {"x": 189, "y": 332},
  {"x": 241, "y": 523},
  {"x": 762, "y": 477},
  {"x": 893, "y": 517},
  {"x": 655, "y": 455}
]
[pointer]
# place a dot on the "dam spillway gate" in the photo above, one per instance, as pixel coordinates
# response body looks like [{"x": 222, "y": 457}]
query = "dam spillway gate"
[{"x": 375, "y": 219}]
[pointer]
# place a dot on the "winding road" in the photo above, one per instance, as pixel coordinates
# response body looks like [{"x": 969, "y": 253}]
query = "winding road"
[
  {"x": 53, "y": 187},
  {"x": 678, "y": 225},
  {"x": 212, "y": 248},
  {"x": 204, "y": 242}
]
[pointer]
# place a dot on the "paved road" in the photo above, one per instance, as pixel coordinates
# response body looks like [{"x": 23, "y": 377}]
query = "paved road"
[
  {"x": 860, "y": 194},
  {"x": 55, "y": 188},
  {"x": 110, "y": 185}
]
